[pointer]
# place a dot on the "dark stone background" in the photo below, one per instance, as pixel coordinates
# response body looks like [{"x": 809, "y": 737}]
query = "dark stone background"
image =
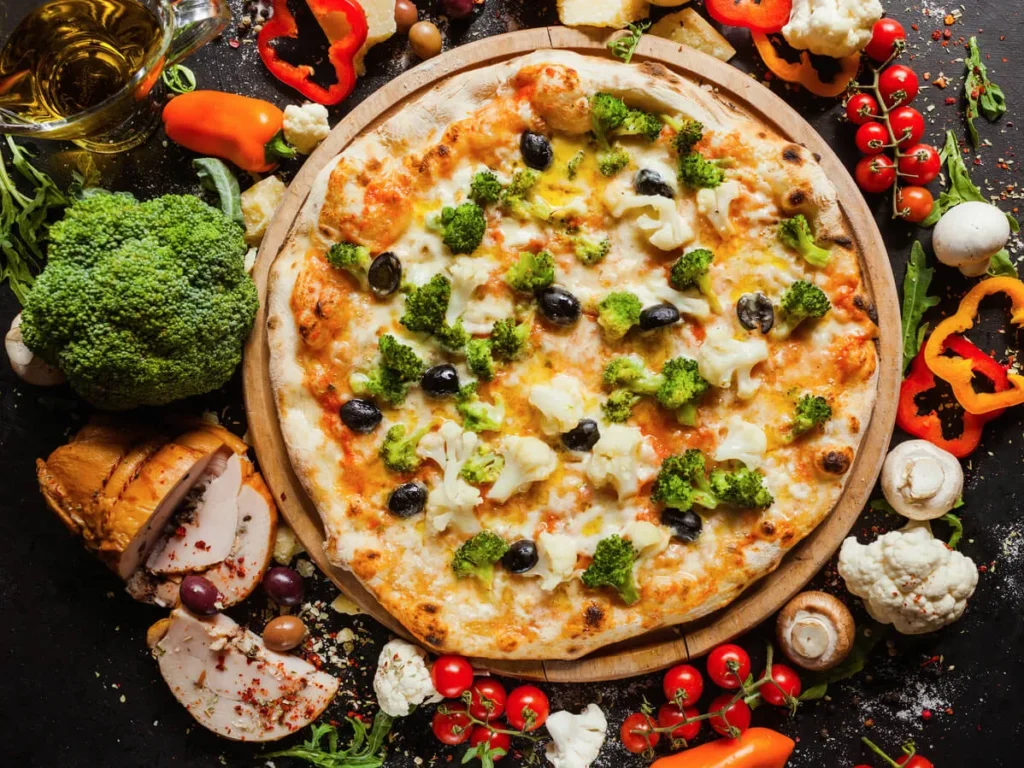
[{"x": 79, "y": 688}]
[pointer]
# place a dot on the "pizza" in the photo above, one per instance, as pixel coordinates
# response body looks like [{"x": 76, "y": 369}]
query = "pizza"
[{"x": 566, "y": 350}]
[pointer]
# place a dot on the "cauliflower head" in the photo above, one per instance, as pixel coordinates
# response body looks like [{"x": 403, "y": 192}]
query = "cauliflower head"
[
  {"x": 306, "y": 126},
  {"x": 909, "y": 579},
  {"x": 659, "y": 219},
  {"x": 452, "y": 501},
  {"x": 623, "y": 459},
  {"x": 402, "y": 680},
  {"x": 722, "y": 358},
  {"x": 560, "y": 404},
  {"x": 576, "y": 740},
  {"x": 527, "y": 461},
  {"x": 834, "y": 28}
]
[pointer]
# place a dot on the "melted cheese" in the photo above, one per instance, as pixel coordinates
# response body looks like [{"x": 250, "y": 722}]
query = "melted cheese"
[
  {"x": 714, "y": 204},
  {"x": 744, "y": 442}
]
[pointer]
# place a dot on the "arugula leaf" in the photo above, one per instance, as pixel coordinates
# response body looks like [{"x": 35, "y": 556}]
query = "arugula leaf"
[
  {"x": 485, "y": 753},
  {"x": 867, "y": 638},
  {"x": 981, "y": 93},
  {"x": 955, "y": 523},
  {"x": 916, "y": 302},
  {"x": 364, "y": 751},
  {"x": 624, "y": 46},
  {"x": 1001, "y": 266},
  {"x": 215, "y": 176}
]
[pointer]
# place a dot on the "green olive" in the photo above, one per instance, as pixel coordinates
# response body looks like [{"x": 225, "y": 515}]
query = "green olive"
[
  {"x": 425, "y": 39},
  {"x": 284, "y": 633},
  {"x": 405, "y": 15}
]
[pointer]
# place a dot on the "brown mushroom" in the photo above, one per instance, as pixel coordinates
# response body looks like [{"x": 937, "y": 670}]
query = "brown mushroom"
[{"x": 815, "y": 631}]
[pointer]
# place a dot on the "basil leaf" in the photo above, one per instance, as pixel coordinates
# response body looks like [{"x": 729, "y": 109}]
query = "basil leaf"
[
  {"x": 981, "y": 93},
  {"x": 916, "y": 302},
  {"x": 214, "y": 176},
  {"x": 867, "y": 638}
]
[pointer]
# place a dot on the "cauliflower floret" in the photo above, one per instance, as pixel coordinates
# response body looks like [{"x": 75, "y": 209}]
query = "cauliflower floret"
[
  {"x": 259, "y": 203},
  {"x": 722, "y": 358},
  {"x": 909, "y": 579},
  {"x": 623, "y": 458},
  {"x": 451, "y": 501},
  {"x": 402, "y": 680},
  {"x": 665, "y": 230},
  {"x": 714, "y": 205},
  {"x": 576, "y": 740},
  {"x": 527, "y": 461},
  {"x": 560, "y": 404},
  {"x": 467, "y": 274},
  {"x": 306, "y": 126},
  {"x": 744, "y": 442},
  {"x": 834, "y": 28},
  {"x": 648, "y": 539},
  {"x": 556, "y": 561}
]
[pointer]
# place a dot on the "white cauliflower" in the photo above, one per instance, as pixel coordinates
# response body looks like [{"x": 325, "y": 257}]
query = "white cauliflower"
[
  {"x": 909, "y": 579},
  {"x": 306, "y": 126},
  {"x": 556, "y": 559},
  {"x": 665, "y": 230},
  {"x": 744, "y": 442},
  {"x": 576, "y": 740},
  {"x": 714, "y": 205},
  {"x": 623, "y": 458},
  {"x": 722, "y": 357},
  {"x": 402, "y": 680},
  {"x": 834, "y": 28},
  {"x": 527, "y": 461},
  {"x": 467, "y": 274},
  {"x": 451, "y": 501},
  {"x": 560, "y": 404}
]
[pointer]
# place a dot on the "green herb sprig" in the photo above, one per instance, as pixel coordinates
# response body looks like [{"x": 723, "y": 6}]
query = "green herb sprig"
[
  {"x": 983, "y": 96},
  {"x": 916, "y": 302},
  {"x": 179, "y": 79},
  {"x": 366, "y": 750},
  {"x": 624, "y": 46}
]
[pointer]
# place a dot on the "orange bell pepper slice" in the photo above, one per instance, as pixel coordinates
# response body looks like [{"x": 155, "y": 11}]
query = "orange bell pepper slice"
[
  {"x": 803, "y": 72},
  {"x": 959, "y": 371},
  {"x": 756, "y": 748}
]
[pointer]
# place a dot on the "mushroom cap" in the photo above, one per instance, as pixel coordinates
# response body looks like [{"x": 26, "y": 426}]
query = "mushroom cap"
[
  {"x": 969, "y": 234},
  {"x": 815, "y": 631},
  {"x": 921, "y": 481},
  {"x": 29, "y": 367}
]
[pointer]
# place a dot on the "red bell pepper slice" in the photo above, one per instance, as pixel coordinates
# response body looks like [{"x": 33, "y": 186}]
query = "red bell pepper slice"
[
  {"x": 759, "y": 15},
  {"x": 928, "y": 426},
  {"x": 344, "y": 23}
]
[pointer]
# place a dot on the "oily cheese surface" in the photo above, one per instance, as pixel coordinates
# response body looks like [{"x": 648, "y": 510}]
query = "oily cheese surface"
[{"x": 385, "y": 192}]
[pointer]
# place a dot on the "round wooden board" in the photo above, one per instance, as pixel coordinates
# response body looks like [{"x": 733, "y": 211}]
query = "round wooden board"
[{"x": 662, "y": 648}]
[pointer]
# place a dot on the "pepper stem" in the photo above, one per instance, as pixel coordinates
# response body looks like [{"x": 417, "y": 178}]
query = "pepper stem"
[{"x": 279, "y": 149}]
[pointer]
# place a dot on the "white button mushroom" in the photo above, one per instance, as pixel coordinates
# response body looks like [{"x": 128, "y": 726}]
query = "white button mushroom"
[
  {"x": 921, "y": 481},
  {"x": 815, "y": 631},
  {"x": 29, "y": 367},
  {"x": 970, "y": 234}
]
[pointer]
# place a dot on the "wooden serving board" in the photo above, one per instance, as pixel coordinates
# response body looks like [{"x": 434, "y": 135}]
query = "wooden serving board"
[{"x": 662, "y": 648}]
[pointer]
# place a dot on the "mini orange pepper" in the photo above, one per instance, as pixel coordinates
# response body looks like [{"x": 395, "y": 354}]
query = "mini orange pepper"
[
  {"x": 959, "y": 371},
  {"x": 803, "y": 72},
  {"x": 755, "y": 748}
]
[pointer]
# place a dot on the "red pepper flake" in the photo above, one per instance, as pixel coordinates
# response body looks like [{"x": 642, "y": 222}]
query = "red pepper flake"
[
  {"x": 950, "y": 20},
  {"x": 949, "y": 710},
  {"x": 982, "y": 568},
  {"x": 202, "y": 545},
  {"x": 932, "y": 660},
  {"x": 941, "y": 81},
  {"x": 937, "y": 35},
  {"x": 180, "y": 531},
  {"x": 926, "y": 714},
  {"x": 950, "y": 101},
  {"x": 220, "y": 663},
  {"x": 947, "y": 35},
  {"x": 869, "y": 723},
  {"x": 234, "y": 43}
]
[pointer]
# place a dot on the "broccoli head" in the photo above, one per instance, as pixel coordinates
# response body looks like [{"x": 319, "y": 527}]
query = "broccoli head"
[
  {"x": 462, "y": 228},
  {"x": 399, "y": 449},
  {"x": 479, "y": 359},
  {"x": 425, "y": 310},
  {"x": 389, "y": 381},
  {"x": 590, "y": 251},
  {"x": 683, "y": 385},
  {"x": 400, "y": 358},
  {"x": 617, "y": 313},
  {"x": 688, "y": 134},
  {"x": 452, "y": 337},
  {"x": 607, "y": 113},
  {"x": 517, "y": 198},
  {"x": 532, "y": 272},
  {"x": 612, "y": 566},
  {"x": 142, "y": 303},
  {"x": 801, "y": 301},
  {"x": 640, "y": 123},
  {"x": 510, "y": 340},
  {"x": 741, "y": 488},
  {"x": 485, "y": 189},
  {"x": 483, "y": 466},
  {"x": 478, "y": 416},
  {"x": 811, "y": 411},
  {"x": 354, "y": 259},
  {"x": 796, "y": 233},
  {"x": 681, "y": 482},
  {"x": 619, "y": 406},
  {"x": 691, "y": 271},
  {"x": 698, "y": 172},
  {"x": 573, "y": 166},
  {"x": 477, "y": 556},
  {"x": 632, "y": 374},
  {"x": 612, "y": 160}
]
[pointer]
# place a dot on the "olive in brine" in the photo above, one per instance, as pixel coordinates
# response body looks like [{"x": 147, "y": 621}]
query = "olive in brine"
[
  {"x": 441, "y": 381},
  {"x": 686, "y": 526},
  {"x": 582, "y": 437},
  {"x": 520, "y": 557},
  {"x": 407, "y": 500},
  {"x": 385, "y": 274},
  {"x": 360, "y": 416},
  {"x": 755, "y": 311},
  {"x": 658, "y": 316},
  {"x": 648, "y": 182},
  {"x": 558, "y": 305},
  {"x": 537, "y": 151}
]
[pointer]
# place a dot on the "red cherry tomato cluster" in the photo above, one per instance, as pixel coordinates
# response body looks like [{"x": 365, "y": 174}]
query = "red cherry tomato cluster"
[
  {"x": 889, "y": 131},
  {"x": 909, "y": 758}
]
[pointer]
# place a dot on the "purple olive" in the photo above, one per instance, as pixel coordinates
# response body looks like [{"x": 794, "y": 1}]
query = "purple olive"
[
  {"x": 284, "y": 585},
  {"x": 457, "y": 9},
  {"x": 198, "y": 594}
]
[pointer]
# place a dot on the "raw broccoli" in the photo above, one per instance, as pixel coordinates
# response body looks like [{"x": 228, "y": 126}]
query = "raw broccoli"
[
  {"x": 691, "y": 271},
  {"x": 399, "y": 451},
  {"x": 399, "y": 367},
  {"x": 354, "y": 259},
  {"x": 796, "y": 233},
  {"x": 741, "y": 488},
  {"x": 607, "y": 113},
  {"x": 688, "y": 133},
  {"x": 142, "y": 303},
  {"x": 617, "y": 313},
  {"x": 532, "y": 272},
  {"x": 811, "y": 411},
  {"x": 619, "y": 406},
  {"x": 612, "y": 566},
  {"x": 630, "y": 373},
  {"x": 483, "y": 466},
  {"x": 612, "y": 160},
  {"x": 698, "y": 172},
  {"x": 640, "y": 123},
  {"x": 477, "y": 556},
  {"x": 425, "y": 310},
  {"x": 517, "y": 200},
  {"x": 479, "y": 359},
  {"x": 574, "y": 164},
  {"x": 681, "y": 482},
  {"x": 590, "y": 251},
  {"x": 510, "y": 340},
  {"x": 485, "y": 189},
  {"x": 801, "y": 301},
  {"x": 478, "y": 416},
  {"x": 462, "y": 228},
  {"x": 682, "y": 386}
]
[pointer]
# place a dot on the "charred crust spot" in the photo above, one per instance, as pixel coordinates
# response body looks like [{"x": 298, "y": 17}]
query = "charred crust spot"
[
  {"x": 768, "y": 528},
  {"x": 837, "y": 462},
  {"x": 371, "y": 555},
  {"x": 443, "y": 150},
  {"x": 318, "y": 310},
  {"x": 866, "y": 307},
  {"x": 654, "y": 69},
  {"x": 762, "y": 135},
  {"x": 843, "y": 241},
  {"x": 434, "y": 640},
  {"x": 787, "y": 537},
  {"x": 593, "y": 616},
  {"x": 791, "y": 154},
  {"x": 817, "y": 157},
  {"x": 796, "y": 198},
  {"x": 373, "y": 165},
  {"x": 430, "y": 608}
]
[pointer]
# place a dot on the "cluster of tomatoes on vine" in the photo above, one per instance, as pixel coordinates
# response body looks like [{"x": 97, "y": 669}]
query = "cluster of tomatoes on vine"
[
  {"x": 728, "y": 714},
  {"x": 888, "y": 124}
]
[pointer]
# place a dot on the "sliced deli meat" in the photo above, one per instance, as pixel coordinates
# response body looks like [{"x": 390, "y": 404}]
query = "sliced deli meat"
[{"x": 231, "y": 683}]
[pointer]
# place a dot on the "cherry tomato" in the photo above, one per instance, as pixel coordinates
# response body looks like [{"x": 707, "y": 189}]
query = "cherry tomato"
[
  {"x": 875, "y": 174},
  {"x": 921, "y": 164},
  {"x": 917, "y": 202},
  {"x": 915, "y": 762},
  {"x": 495, "y": 740},
  {"x": 527, "y": 708},
  {"x": 862, "y": 108},
  {"x": 737, "y": 715},
  {"x": 907, "y": 126},
  {"x": 884, "y": 36},
  {"x": 452, "y": 676},
  {"x": 637, "y": 734},
  {"x": 669, "y": 714},
  {"x": 871, "y": 138},
  {"x": 488, "y": 698},
  {"x": 728, "y": 666},
  {"x": 451, "y": 728},
  {"x": 898, "y": 85},
  {"x": 685, "y": 682},
  {"x": 785, "y": 682}
]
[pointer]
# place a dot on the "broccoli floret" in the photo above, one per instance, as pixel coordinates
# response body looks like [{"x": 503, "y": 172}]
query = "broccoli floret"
[
  {"x": 142, "y": 303},
  {"x": 590, "y": 251},
  {"x": 631, "y": 373},
  {"x": 452, "y": 337},
  {"x": 399, "y": 450},
  {"x": 478, "y": 416},
  {"x": 517, "y": 200},
  {"x": 425, "y": 310},
  {"x": 607, "y": 113},
  {"x": 479, "y": 359},
  {"x": 485, "y": 189},
  {"x": 698, "y": 172},
  {"x": 688, "y": 133},
  {"x": 574, "y": 164},
  {"x": 510, "y": 340},
  {"x": 801, "y": 301},
  {"x": 483, "y": 466},
  {"x": 683, "y": 385},
  {"x": 691, "y": 271},
  {"x": 811, "y": 411},
  {"x": 354, "y": 259},
  {"x": 612, "y": 566},
  {"x": 532, "y": 272},
  {"x": 796, "y": 233},
  {"x": 462, "y": 228},
  {"x": 640, "y": 123},
  {"x": 400, "y": 358},
  {"x": 612, "y": 160},
  {"x": 619, "y": 406},
  {"x": 477, "y": 556},
  {"x": 617, "y": 313},
  {"x": 399, "y": 367},
  {"x": 741, "y": 487},
  {"x": 681, "y": 482}
]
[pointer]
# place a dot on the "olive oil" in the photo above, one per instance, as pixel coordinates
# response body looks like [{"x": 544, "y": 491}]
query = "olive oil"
[{"x": 70, "y": 55}]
